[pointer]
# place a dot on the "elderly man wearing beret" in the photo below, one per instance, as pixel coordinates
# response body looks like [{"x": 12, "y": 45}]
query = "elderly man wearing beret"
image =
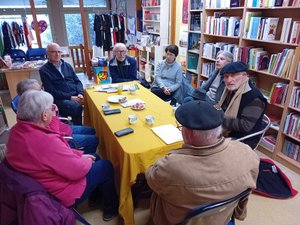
[
  {"x": 208, "y": 168},
  {"x": 242, "y": 103}
]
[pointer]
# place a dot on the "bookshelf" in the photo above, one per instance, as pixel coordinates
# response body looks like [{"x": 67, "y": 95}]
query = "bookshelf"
[
  {"x": 264, "y": 37},
  {"x": 155, "y": 36}
]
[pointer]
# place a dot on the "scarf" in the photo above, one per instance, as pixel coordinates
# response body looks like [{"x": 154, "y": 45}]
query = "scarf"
[{"x": 234, "y": 105}]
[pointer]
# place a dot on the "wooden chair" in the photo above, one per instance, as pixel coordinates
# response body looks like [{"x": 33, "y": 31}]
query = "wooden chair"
[{"x": 78, "y": 59}]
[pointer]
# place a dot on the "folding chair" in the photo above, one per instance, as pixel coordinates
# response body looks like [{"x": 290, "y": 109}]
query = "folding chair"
[
  {"x": 213, "y": 209},
  {"x": 265, "y": 126}
]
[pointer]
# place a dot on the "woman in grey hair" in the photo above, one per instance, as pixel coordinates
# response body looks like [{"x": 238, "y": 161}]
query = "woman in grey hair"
[{"x": 212, "y": 89}]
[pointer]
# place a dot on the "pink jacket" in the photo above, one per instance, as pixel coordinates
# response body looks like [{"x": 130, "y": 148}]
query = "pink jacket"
[
  {"x": 44, "y": 155},
  {"x": 60, "y": 127}
]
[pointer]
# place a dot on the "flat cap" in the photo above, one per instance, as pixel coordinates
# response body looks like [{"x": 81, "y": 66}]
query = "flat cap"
[
  {"x": 199, "y": 115},
  {"x": 234, "y": 67}
]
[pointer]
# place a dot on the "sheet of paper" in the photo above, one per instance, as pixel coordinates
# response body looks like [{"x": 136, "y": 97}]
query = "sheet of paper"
[{"x": 168, "y": 133}]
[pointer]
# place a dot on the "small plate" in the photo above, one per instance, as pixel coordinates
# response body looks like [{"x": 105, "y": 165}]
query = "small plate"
[
  {"x": 115, "y": 98},
  {"x": 138, "y": 106}
]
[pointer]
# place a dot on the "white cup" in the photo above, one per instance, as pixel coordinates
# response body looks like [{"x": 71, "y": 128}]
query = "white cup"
[
  {"x": 150, "y": 119},
  {"x": 132, "y": 90},
  {"x": 105, "y": 106},
  {"x": 132, "y": 119},
  {"x": 89, "y": 86}
]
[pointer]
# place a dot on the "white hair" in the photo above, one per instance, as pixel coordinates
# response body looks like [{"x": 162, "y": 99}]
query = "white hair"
[
  {"x": 32, "y": 104},
  {"x": 207, "y": 135}
]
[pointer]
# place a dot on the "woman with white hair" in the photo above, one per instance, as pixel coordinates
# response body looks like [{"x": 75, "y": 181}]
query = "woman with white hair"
[
  {"x": 43, "y": 154},
  {"x": 213, "y": 88}
]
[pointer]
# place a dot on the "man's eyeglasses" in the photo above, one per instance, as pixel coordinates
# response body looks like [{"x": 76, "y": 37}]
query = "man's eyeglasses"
[
  {"x": 53, "y": 107},
  {"x": 121, "y": 52},
  {"x": 179, "y": 126},
  {"x": 55, "y": 52}
]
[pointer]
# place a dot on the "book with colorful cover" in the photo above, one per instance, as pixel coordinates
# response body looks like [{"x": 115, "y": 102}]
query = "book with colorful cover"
[{"x": 270, "y": 28}]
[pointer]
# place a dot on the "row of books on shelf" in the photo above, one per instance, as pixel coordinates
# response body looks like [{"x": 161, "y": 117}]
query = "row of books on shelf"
[
  {"x": 210, "y": 50},
  {"x": 222, "y": 3},
  {"x": 207, "y": 68},
  {"x": 262, "y": 28},
  {"x": 292, "y": 125},
  {"x": 196, "y": 4},
  {"x": 278, "y": 93},
  {"x": 146, "y": 3},
  {"x": 195, "y": 21},
  {"x": 265, "y": 28},
  {"x": 194, "y": 41},
  {"x": 224, "y": 25},
  {"x": 292, "y": 150},
  {"x": 192, "y": 78},
  {"x": 272, "y": 3},
  {"x": 295, "y": 97}
]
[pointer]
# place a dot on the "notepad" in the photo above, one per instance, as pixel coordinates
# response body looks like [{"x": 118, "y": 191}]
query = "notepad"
[{"x": 168, "y": 133}]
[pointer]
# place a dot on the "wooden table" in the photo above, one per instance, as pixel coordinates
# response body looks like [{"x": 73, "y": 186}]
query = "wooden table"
[
  {"x": 134, "y": 153},
  {"x": 13, "y": 77}
]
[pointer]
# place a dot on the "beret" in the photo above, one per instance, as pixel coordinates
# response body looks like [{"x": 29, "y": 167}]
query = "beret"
[
  {"x": 199, "y": 115},
  {"x": 234, "y": 67},
  {"x": 199, "y": 94}
]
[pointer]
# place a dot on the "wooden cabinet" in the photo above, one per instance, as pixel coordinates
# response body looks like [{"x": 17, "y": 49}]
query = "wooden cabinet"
[{"x": 259, "y": 36}]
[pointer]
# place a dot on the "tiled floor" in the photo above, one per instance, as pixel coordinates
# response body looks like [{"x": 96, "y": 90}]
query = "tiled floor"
[{"x": 261, "y": 210}]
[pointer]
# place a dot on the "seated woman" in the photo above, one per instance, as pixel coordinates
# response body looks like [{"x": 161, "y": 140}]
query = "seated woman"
[
  {"x": 214, "y": 86},
  {"x": 168, "y": 75},
  {"x": 44, "y": 155},
  {"x": 84, "y": 136},
  {"x": 242, "y": 103}
]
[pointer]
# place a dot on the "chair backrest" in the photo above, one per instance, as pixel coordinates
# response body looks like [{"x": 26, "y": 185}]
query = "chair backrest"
[
  {"x": 266, "y": 123},
  {"x": 14, "y": 103},
  {"x": 213, "y": 209},
  {"x": 36, "y": 54},
  {"x": 17, "y": 55}
]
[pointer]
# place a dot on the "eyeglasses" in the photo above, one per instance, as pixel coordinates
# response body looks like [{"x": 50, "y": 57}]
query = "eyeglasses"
[
  {"x": 121, "y": 52},
  {"x": 55, "y": 52},
  {"x": 52, "y": 108},
  {"x": 179, "y": 126}
]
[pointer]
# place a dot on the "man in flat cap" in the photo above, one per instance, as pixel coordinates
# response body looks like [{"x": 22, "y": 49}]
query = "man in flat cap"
[
  {"x": 208, "y": 168},
  {"x": 242, "y": 102}
]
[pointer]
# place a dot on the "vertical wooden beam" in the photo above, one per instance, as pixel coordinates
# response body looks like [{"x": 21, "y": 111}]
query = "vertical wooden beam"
[
  {"x": 35, "y": 22},
  {"x": 172, "y": 22},
  {"x": 86, "y": 41}
]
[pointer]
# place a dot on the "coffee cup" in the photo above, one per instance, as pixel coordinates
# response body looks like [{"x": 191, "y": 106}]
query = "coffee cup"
[
  {"x": 132, "y": 119},
  {"x": 149, "y": 119},
  {"x": 105, "y": 106}
]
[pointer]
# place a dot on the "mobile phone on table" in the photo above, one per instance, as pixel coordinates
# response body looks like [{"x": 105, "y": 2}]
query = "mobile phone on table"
[{"x": 123, "y": 132}]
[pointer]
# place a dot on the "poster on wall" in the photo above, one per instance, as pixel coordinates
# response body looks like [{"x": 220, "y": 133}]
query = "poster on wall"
[
  {"x": 131, "y": 30},
  {"x": 183, "y": 40},
  {"x": 185, "y": 6}
]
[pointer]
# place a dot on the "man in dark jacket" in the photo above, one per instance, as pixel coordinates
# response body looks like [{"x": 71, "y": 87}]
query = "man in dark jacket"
[
  {"x": 60, "y": 80},
  {"x": 122, "y": 68}
]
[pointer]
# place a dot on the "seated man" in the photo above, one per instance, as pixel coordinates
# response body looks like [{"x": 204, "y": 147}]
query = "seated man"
[
  {"x": 214, "y": 86},
  {"x": 242, "y": 102},
  {"x": 44, "y": 155},
  {"x": 208, "y": 168},
  {"x": 84, "y": 136},
  {"x": 60, "y": 80},
  {"x": 122, "y": 68}
]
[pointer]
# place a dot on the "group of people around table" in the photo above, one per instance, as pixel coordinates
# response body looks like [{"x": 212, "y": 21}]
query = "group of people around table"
[{"x": 213, "y": 167}]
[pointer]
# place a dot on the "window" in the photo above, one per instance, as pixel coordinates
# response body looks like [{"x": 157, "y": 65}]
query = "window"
[
  {"x": 86, "y": 3},
  {"x": 74, "y": 29},
  {"x": 91, "y": 28},
  {"x": 17, "y": 4}
]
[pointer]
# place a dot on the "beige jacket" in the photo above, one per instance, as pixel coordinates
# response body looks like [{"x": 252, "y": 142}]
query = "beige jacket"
[{"x": 192, "y": 176}]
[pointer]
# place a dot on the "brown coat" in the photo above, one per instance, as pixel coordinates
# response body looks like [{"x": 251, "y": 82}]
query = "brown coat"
[{"x": 192, "y": 176}]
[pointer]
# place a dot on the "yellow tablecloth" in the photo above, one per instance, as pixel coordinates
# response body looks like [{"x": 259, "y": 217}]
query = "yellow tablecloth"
[{"x": 134, "y": 153}]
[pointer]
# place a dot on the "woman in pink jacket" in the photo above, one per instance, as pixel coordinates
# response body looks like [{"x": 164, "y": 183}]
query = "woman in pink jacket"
[{"x": 43, "y": 154}]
